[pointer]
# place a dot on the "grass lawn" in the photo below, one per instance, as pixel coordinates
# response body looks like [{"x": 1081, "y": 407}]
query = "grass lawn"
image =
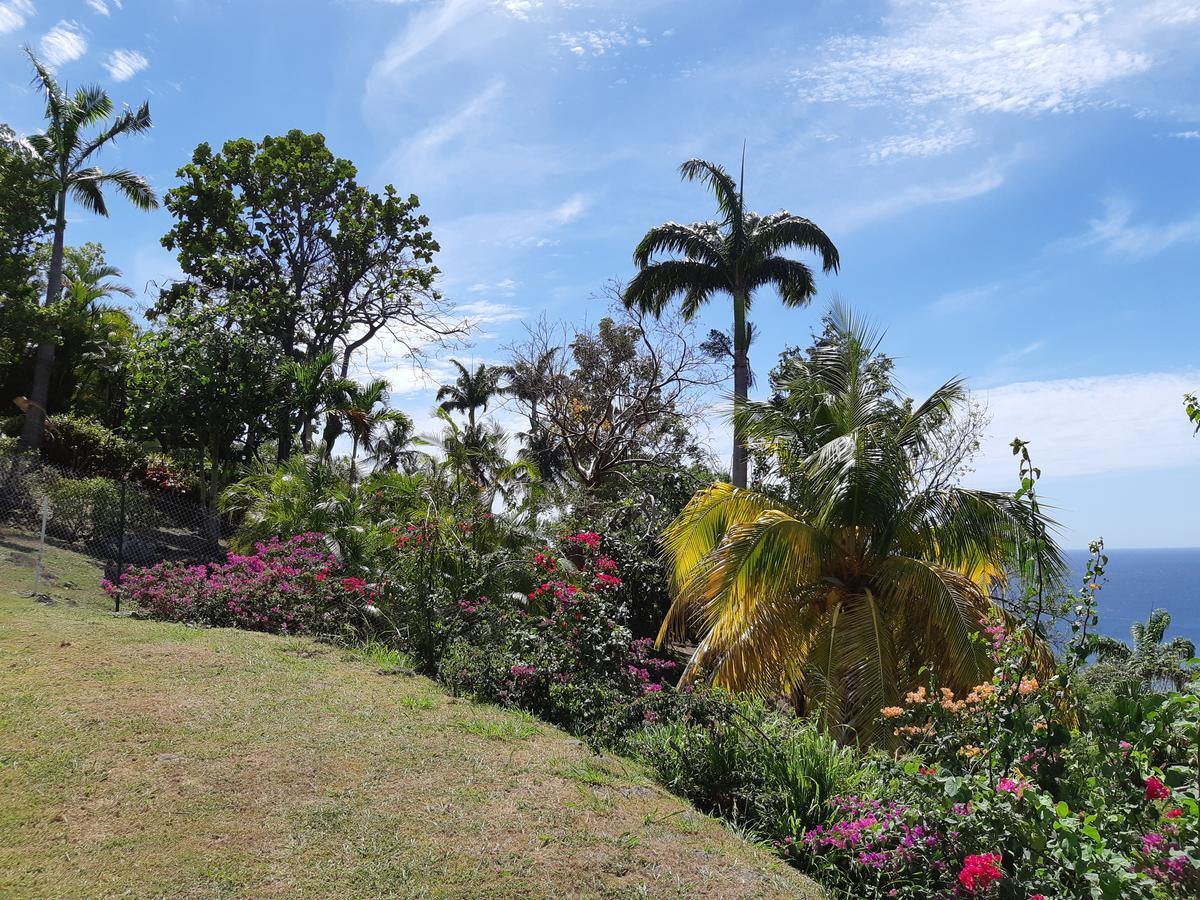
[{"x": 143, "y": 759}]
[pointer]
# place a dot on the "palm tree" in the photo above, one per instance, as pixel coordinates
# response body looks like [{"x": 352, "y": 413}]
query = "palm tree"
[
  {"x": 840, "y": 595},
  {"x": 1151, "y": 660},
  {"x": 471, "y": 390},
  {"x": 735, "y": 255},
  {"x": 363, "y": 409},
  {"x": 314, "y": 390},
  {"x": 64, "y": 155},
  {"x": 393, "y": 448}
]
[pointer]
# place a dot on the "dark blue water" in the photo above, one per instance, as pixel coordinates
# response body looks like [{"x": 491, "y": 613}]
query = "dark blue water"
[{"x": 1143, "y": 580}]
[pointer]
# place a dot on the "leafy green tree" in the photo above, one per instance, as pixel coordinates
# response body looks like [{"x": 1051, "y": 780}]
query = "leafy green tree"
[
  {"x": 64, "y": 155},
  {"x": 197, "y": 383},
  {"x": 1152, "y": 660},
  {"x": 280, "y": 235},
  {"x": 315, "y": 390},
  {"x": 25, "y": 204},
  {"x": 735, "y": 255},
  {"x": 1192, "y": 406},
  {"x": 845, "y": 593}
]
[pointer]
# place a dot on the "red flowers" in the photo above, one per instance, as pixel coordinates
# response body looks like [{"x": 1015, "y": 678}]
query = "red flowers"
[
  {"x": 980, "y": 872},
  {"x": 1156, "y": 790},
  {"x": 1173, "y": 813}
]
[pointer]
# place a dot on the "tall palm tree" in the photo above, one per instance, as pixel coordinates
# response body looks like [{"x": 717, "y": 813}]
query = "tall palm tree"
[
  {"x": 471, "y": 391},
  {"x": 839, "y": 596},
  {"x": 735, "y": 255},
  {"x": 394, "y": 447},
  {"x": 1152, "y": 659},
  {"x": 64, "y": 154}
]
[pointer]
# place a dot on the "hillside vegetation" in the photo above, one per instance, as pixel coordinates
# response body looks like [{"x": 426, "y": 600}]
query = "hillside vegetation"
[{"x": 146, "y": 759}]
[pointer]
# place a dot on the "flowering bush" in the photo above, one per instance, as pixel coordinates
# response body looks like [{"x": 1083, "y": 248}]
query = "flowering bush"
[{"x": 286, "y": 586}]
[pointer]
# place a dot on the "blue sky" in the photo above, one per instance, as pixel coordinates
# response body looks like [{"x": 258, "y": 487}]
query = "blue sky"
[{"x": 1013, "y": 184}]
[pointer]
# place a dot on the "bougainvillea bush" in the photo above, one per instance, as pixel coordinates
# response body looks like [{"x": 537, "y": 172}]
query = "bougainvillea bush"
[
  {"x": 292, "y": 586},
  {"x": 561, "y": 648}
]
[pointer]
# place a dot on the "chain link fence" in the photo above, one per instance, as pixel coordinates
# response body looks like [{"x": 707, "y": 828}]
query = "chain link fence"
[{"x": 45, "y": 510}]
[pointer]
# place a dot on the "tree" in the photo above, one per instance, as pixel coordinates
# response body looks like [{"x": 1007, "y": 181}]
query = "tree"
[
  {"x": 362, "y": 410},
  {"x": 393, "y": 448},
  {"x": 64, "y": 155},
  {"x": 471, "y": 391},
  {"x": 25, "y": 204},
  {"x": 200, "y": 383},
  {"x": 281, "y": 235},
  {"x": 735, "y": 255},
  {"x": 842, "y": 595},
  {"x": 1152, "y": 660},
  {"x": 314, "y": 390},
  {"x": 608, "y": 401},
  {"x": 1192, "y": 406}
]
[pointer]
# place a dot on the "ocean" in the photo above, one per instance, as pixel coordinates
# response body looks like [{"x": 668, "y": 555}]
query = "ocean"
[{"x": 1139, "y": 581}]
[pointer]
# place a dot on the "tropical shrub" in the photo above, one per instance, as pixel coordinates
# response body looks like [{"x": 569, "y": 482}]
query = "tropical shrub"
[
  {"x": 293, "y": 586},
  {"x": 87, "y": 447},
  {"x": 82, "y": 508}
]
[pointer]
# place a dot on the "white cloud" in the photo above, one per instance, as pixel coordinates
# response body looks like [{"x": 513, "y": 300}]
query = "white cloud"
[
  {"x": 603, "y": 42},
  {"x": 939, "y": 140},
  {"x": 995, "y": 55},
  {"x": 1186, "y": 135},
  {"x": 1089, "y": 426},
  {"x": 124, "y": 64},
  {"x": 62, "y": 44},
  {"x": 425, "y": 29},
  {"x": 453, "y": 126},
  {"x": 99, "y": 6},
  {"x": 13, "y": 14},
  {"x": 1119, "y": 235},
  {"x": 518, "y": 9},
  {"x": 570, "y": 209},
  {"x": 850, "y": 216},
  {"x": 507, "y": 287}
]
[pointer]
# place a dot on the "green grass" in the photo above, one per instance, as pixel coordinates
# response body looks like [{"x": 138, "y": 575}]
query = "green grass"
[{"x": 142, "y": 759}]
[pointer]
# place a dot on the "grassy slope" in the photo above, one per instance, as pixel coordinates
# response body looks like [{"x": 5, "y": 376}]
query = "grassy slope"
[{"x": 145, "y": 759}]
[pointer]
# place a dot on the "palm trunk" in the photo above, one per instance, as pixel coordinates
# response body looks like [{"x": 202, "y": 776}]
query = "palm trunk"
[
  {"x": 741, "y": 386},
  {"x": 43, "y": 366}
]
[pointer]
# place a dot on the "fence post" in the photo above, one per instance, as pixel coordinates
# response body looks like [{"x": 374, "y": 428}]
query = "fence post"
[
  {"x": 37, "y": 572},
  {"x": 120, "y": 548}
]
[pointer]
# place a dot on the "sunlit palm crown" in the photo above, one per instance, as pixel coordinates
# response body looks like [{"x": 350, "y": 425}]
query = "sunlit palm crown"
[
  {"x": 735, "y": 255},
  {"x": 65, "y": 152},
  {"x": 841, "y": 594}
]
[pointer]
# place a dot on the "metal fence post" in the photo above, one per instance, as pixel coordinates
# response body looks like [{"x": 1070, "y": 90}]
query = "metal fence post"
[
  {"x": 120, "y": 547},
  {"x": 37, "y": 572}
]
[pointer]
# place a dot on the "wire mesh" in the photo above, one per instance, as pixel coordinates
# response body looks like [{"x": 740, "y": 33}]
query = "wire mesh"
[{"x": 113, "y": 525}]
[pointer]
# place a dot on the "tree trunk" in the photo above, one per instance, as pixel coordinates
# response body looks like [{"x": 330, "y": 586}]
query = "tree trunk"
[
  {"x": 741, "y": 386},
  {"x": 43, "y": 367}
]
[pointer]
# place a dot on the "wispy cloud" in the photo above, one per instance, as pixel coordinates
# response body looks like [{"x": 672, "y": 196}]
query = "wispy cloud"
[
  {"x": 13, "y": 14},
  {"x": 124, "y": 64},
  {"x": 1088, "y": 426},
  {"x": 425, "y": 29},
  {"x": 850, "y": 215},
  {"x": 569, "y": 210},
  {"x": 1118, "y": 234},
  {"x": 964, "y": 301},
  {"x": 63, "y": 43},
  {"x": 99, "y": 6},
  {"x": 991, "y": 55},
  {"x": 1186, "y": 135}
]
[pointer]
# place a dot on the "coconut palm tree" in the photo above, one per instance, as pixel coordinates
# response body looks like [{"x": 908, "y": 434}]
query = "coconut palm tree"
[
  {"x": 471, "y": 391},
  {"x": 840, "y": 595},
  {"x": 64, "y": 155},
  {"x": 394, "y": 447},
  {"x": 735, "y": 255},
  {"x": 1152, "y": 660}
]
